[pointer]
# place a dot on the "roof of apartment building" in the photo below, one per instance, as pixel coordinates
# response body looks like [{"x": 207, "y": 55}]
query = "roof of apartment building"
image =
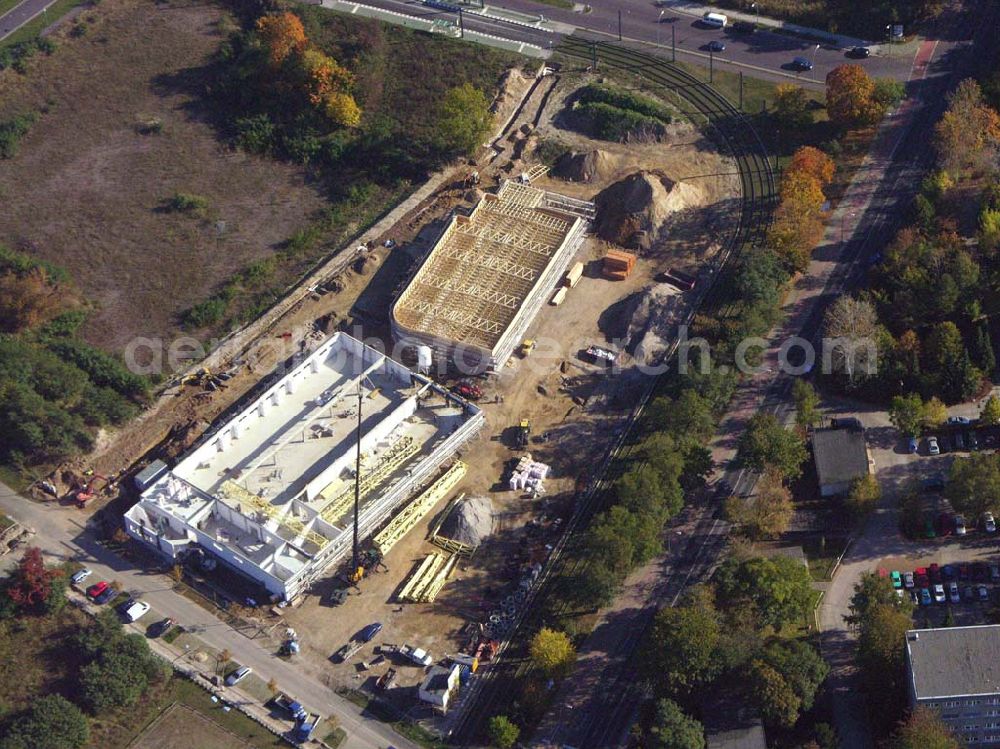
[{"x": 954, "y": 661}]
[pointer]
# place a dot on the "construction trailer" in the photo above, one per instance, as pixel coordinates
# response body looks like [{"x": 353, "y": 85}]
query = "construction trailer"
[
  {"x": 270, "y": 492},
  {"x": 484, "y": 281}
]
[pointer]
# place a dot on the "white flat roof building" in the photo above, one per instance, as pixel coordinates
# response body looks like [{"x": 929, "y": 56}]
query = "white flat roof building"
[{"x": 270, "y": 492}]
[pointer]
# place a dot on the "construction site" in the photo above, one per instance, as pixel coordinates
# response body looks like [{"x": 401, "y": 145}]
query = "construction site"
[{"x": 527, "y": 276}]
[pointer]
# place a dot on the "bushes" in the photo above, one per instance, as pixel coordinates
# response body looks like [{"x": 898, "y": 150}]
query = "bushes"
[
  {"x": 627, "y": 100},
  {"x": 618, "y": 115},
  {"x": 11, "y": 132},
  {"x": 185, "y": 202}
]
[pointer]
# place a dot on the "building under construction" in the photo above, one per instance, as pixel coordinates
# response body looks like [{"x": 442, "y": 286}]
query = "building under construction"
[
  {"x": 270, "y": 492},
  {"x": 481, "y": 285}
]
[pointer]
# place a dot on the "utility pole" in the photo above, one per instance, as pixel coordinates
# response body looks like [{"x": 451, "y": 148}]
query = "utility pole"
[
  {"x": 711, "y": 66},
  {"x": 741, "y": 90},
  {"x": 619, "y": 24},
  {"x": 357, "y": 486},
  {"x": 673, "y": 42},
  {"x": 461, "y": 24},
  {"x": 593, "y": 49}
]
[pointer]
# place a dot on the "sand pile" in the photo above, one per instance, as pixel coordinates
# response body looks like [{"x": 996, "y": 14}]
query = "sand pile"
[
  {"x": 631, "y": 212},
  {"x": 583, "y": 167},
  {"x": 469, "y": 522}
]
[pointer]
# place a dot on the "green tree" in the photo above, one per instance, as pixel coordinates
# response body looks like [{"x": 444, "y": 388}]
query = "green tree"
[
  {"x": 552, "y": 651},
  {"x": 672, "y": 729},
  {"x": 906, "y": 412},
  {"x": 503, "y": 732},
  {"x": 924, "y": 729},
  {"x": 774, "y": 697},
  {"x": 463, "y": 119},
  {"x": 682, "y": 655},
  {"x": 767, "y": 513},
  {"x": 806, "y": 403},
  {"x": 982, "y": 350},
  {"x": 690, "y": 417},
  {"x": 888, "y": 93},
  {"x": 119, "y": 675},
  {"x": 792, "y": 106},
  {"x": 52, "y": 722},
  {"x": 871, "y": 592},
  {"x": 594, "y": 585},
  {"x": 974, "y": 484},
  {"x": 991, "y": 411},
  {"x": 864, "y": 495},
  {"x": 800, "y": 665},
  {"x": 778, "y": 589},
  {"x": 935, "y": 413},
  {"x": 767, "y": 444}
]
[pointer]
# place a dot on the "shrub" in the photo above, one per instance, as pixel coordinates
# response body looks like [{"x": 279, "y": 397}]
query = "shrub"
[
  {"x": 205, "y": 313},
  {"x": 612, "y": 123},
  {"x": 11, "y": 132},
  {"x": 184, "y": 202},
  {"x": 255, "y": 134},
  {"x": 626, "y": 100}
]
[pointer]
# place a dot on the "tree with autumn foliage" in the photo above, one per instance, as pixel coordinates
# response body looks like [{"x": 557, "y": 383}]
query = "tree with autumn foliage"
[
  {"x": 815, "y": 163},
  {"x": 792, "y": 106},
  {"x": 282, "y": 35},
  {"x": 329, "y": 84},
  {"x": 849, "y": 96},
  {"x": 967, "y": 136},
  {"x": 31, "y": 584},
  {"x": 27, "y": 299}
]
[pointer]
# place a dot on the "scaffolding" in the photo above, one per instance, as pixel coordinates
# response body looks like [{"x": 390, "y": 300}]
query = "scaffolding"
[
  {"x": 414, "y": 512},
  {"x": 235, "y": 493},
  {"x": 388, "y": 462}
]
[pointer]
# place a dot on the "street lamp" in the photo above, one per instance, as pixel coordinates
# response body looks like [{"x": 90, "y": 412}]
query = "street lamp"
[
  {"x": 659, "y": 21},
  {"x": 812, "y": 57},
  {"x": 756, "y": 14},
  {"x": 844, "y": 217}
]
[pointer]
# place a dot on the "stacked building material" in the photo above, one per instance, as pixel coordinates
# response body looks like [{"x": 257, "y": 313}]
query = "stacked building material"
[
  {"x": 618, "y": 265},
  {"x": 529, "y": 475},
  {"x": 428, "y": 579}
]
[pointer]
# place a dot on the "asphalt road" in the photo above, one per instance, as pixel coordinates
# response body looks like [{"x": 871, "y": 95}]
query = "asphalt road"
[
  {"x": 763, "y": 54},
  {"x": 61, "y": 534},
  {"x": 19, "y": 15}
]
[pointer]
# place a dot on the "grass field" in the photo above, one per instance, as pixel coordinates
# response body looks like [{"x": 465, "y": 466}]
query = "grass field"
[
  {"x": 91, "y": 198},
  {"x": 36, "y": 25},
  {"x": 177, "y": 725}
]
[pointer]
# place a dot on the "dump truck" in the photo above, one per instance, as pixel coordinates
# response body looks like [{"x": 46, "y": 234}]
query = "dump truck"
[
  {"x": 680, "y": 279},
  {"x": 418, "y": 655}
]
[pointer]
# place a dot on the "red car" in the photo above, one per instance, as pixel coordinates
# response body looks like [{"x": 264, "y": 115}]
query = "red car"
[
  {"x": 96, "y": 589},
  {"x": 468, "y": 390},
  {"x": 946, "y": 524},
  {"x": 922, "y": 580},
  {"x": 935, "y": 573}
]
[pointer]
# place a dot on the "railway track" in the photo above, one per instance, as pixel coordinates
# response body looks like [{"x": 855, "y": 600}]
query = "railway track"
[{"x": 733, "y": 134}]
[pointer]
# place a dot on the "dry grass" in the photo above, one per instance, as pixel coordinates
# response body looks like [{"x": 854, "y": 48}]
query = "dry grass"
[
  {"x": 87, "y": 190},
  {"x": 175, "y": 728}
]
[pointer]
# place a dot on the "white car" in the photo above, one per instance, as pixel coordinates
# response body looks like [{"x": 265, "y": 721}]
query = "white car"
[
  {"x": 960, "y": 529},
  {"x": 238, "y": 675},
  {"x": 989, "y": 524},
  {"x": 959, "y": 420},
  {"x": 932, "y": 446},
  {"x": 953, "y": 594},
  {"x": 135, "y": 611},
  {"x": 939, "y": 596},
  {"x": 80, "y": 576}
]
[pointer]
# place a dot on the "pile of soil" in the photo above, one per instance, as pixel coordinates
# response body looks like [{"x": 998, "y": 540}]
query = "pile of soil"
[
  {"x": 652, "y": 321},
  {"x": 631, "y": 212},
  {"x": 582, "y": 167},
  {"x": 469, "y": 522}
]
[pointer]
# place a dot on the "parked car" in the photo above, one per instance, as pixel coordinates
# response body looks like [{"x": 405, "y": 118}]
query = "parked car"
[
  {"x": 133, "y": 610},
  {"x": 972, "y": 440},
  {"x": 989, "y": 524},
  {"x": 994, "y": 572},
  {"x": 960, "y": 529},
  {"x": 106, "y": 595},
  {"x": 945, "y": 524},
  {"x": 238, "y": 675},
  {"x": 939, "y": 596},
  {"x": 959, "y": 441},
  {"x": 716, "y": 46},
  {"x": 929, "y": 531},
  {"x": 934, "y": 573},
  {"x": 959, "y": 420},
  {"x": 963, "y": 571},
  {"x": 897, "y": 579},
  {"x": 953, "y": 594},
  {"x": 932, "y": 446},
  {"x": 80, "y": 575},
  {"x": 925, "y": 597},
  {"x": 908, "y": 580},
  {"x": 980, "y": 572},
  {"x": 949, "y": 572},
  {"x": 984, "y": 593},
  {"x": 859, "y": 53},
  {"x": 96, "y": 589},
  {"x": 921, "y": 574},
  {"x": 744, "y": 27},
  {"x": 369, "y": 632},
  {"x": 160, "y": 628},
  {"x": 912, "y": 446},
  {"x": 969, "y": 594},
  {"x": 802, "y": 64}
]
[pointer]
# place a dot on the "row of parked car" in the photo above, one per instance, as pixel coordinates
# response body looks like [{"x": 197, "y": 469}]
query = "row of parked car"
[
  {"x": 957, "y": 438},
  {"x": 940, "y": 584},
  {"x": 130, "y": 609}
]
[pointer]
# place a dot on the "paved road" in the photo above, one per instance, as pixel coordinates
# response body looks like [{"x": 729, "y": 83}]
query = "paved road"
[
  {"x": 62, "y": 535},
  {"x": 21, "y": 14},
  {"x": 764, "y": 54}
]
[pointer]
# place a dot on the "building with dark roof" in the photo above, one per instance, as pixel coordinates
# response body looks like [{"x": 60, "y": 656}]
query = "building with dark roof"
[
  {"x": 841, "y": 457},
  {"x": 732, "y": 724},
  {"x": 955, "y": 672}
]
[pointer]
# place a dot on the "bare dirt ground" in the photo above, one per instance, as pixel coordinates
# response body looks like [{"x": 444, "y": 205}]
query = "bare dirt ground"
[{"x": 87, "y": 190}]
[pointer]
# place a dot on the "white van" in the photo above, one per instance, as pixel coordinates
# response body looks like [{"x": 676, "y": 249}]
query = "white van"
[{"x": 715, "y": 20}]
